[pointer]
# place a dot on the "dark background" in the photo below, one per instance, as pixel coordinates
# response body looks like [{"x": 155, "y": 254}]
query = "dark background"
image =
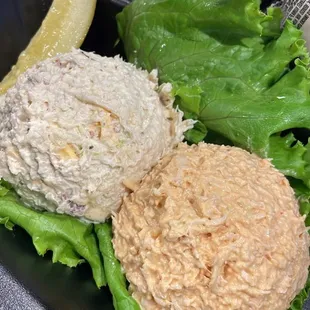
[{"x": 27, "y": 281}]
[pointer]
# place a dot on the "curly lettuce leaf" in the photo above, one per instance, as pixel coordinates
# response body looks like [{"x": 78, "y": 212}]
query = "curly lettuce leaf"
[
  {"x": 232, "y": 68},
  {"x": 122, "y": 300},
  {"x": 70, "y": 240},
  {"x": 299, "y": 300},
  {"x": 302, "y": 192},
  {"x": 290, "y": 156}
]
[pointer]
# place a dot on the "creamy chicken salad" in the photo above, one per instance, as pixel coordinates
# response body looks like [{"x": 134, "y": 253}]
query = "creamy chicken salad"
[
  {"x": 212, "y": 227},
  {"x": 79, "y": 128}
]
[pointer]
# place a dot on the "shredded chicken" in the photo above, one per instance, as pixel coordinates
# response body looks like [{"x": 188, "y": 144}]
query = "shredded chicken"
[
  {"x": 76, "y": 126},
  {"x": 212, "y": 227}
]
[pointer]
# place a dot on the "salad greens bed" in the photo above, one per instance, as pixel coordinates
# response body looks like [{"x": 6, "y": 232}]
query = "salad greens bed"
[
  {"x": 232, "y": 68},
  {"x": 243, "y": 78}
]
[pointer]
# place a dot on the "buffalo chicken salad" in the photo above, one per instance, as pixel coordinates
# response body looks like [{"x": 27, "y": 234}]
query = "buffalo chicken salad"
[{"x": 181, "y": 175}]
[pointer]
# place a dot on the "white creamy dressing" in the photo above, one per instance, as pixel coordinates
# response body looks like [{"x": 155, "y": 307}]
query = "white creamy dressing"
[{"x": 75, "y": 127}]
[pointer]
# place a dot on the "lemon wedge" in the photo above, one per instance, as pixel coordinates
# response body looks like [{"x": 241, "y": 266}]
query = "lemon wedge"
[{"x": 64, "y": 27}]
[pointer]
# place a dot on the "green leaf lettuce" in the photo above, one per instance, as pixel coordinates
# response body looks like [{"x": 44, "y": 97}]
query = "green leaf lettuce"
[
  {"x": 122, "y": 300},
  {"x": 232, "y": 68},
  {"x": 70, "y": 240}
]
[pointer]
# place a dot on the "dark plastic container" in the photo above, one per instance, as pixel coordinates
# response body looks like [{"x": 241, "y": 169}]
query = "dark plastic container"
[{"x": 27, "y": 281}]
